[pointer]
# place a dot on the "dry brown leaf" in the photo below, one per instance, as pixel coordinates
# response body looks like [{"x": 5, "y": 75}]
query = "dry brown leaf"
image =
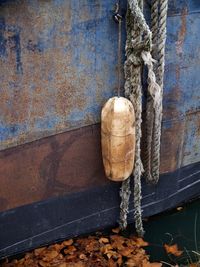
[
  {"x": 116, "y": 230},
  {"x": 68, "y": 242},
  {"x": 179, "y": 208},
  {"x": 117, "y": 238},
  {"x": 83, "y": 257},
  {"x": 112, "y": 263},
  {"x": 70, "y": 250},
  {"x": 103, "y": 240},
  {"x": 106, "y": 248},
  {"x": 131, "y": 263},
  {"x": 126, "y": 252},
  {"x": 173, "y": 249},
  {"x": 140, "y": 242},
  {"x": 63, "y": 264},
  {"x": 92, "y": 245},
  {"x": 71, "y": 257},
  {"x": 111, "y": 253},
  {"x": 38, "y": 251},
  {"x": 76, "y": 264},
  {"x": 50, "y": 255},
  {"x": 42, "y": 263},
  {"x": 119, "y": 260}
]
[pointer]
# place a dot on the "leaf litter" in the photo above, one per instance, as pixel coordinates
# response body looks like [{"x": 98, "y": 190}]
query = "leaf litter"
[{"x": 114, "y": 250}]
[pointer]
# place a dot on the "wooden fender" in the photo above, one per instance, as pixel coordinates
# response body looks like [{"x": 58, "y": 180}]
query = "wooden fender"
[{"x": 118, "y": 138}]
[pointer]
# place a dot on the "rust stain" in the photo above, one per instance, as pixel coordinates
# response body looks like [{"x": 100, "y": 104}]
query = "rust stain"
[
  {"x": 53, "y": 166},
  {"x": 29, "y": 96},
  {"x": 172, "y": 99},
  {"x": 171, "y": 146},
  {"x": 177, "y": 71},
  {"x": 182, "y": 32}
]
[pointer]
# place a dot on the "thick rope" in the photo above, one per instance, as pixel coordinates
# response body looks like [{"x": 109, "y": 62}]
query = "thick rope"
[
  {"x": 132, "y": 69},
  {"x": 138, "y": 48},
  {"x": 149, "y": 106},
  {"x": 125, "y": 193},
  {"x": 133, "y": 89},
  {"x": 160, "y": 76},
  {"x": 125, "y": 190}
]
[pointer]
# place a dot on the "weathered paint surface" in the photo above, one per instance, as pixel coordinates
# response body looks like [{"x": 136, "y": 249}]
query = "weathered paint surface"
[
  {"x": 62, "y": 164},
  {"x": 58, "y": 66},
  {"x": 182, "y": 92}
]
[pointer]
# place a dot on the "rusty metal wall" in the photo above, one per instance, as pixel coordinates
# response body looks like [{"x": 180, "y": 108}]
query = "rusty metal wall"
[{"x": 58, "y": 66}]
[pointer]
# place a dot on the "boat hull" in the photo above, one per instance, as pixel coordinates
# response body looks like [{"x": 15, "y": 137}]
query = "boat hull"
[{"x": 58, "y": 63}]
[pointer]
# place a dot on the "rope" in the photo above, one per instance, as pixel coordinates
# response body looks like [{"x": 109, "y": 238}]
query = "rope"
[
  {"x": 125, "y": 191},
  {"x": 138, "y": 52},
  {"x": 149, "y": 105},
  {"x": 160, "y": 76},
  {"x": 154, "y": 117},
  {"x": 133, "y": 90}
]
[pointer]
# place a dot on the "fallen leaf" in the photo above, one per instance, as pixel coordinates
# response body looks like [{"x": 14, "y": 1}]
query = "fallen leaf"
[
  {"x": 140, "y": 242},
  {"x": 82, "y": 257},
  {"x": 131, "y": 263},
  {"x": 105, "y": 249},
  {"x": 70, "y": 250},
  {"x": 116, "y": 230},
  {"x": 111, "y": 253},
  {"x": 103, "y": 240},
  {"x": 68, "y": 242},
  {"x": 38, "y": 251},
  {"x": 64, "y": 264},
  {"x": 50, "y": 255},
  {"x": 126, "y": 251},
  {"x": 173, "y": 249},
  {"x": 179, "y": 208},
  {"x": 111, "y": 263}
]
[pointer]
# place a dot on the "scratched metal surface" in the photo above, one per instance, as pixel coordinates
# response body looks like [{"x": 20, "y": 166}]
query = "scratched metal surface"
[{"x": 58, "y": 66}]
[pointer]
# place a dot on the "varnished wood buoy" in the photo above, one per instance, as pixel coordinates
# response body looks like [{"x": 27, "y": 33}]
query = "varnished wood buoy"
[{"x": 118, "y": 138}]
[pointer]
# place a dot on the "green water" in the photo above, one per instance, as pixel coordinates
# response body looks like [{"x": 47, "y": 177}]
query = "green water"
[{"x": 180, "y": 227}]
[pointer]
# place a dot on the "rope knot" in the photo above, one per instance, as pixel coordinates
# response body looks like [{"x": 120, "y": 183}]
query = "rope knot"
[{"x": 153, "y": 87}]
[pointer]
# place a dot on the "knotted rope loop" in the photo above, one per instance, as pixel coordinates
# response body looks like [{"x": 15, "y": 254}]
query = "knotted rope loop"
[{"x": 153, "y": 87}]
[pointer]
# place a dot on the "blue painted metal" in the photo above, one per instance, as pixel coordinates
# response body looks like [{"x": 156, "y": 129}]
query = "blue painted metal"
[{"x": 58, "y": 64}]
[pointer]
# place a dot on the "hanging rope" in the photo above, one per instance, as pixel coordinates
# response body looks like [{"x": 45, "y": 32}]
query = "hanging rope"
[
  {"x": 149, "y": 107},
  {"x": 138, "y": 52},
  {"x": 162, "y": 21}
]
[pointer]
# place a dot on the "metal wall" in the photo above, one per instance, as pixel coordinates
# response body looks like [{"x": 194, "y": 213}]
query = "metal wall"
[
  {"x": 58, "y": 66},
  {"x": 58, "y": 62}
]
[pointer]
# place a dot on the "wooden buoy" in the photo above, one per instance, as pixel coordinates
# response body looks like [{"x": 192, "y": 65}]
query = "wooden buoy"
[{"x": 118, "y": 138}]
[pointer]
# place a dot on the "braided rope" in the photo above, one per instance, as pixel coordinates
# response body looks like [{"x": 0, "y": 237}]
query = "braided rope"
[
  {"x": 160, "y": 75},
  {"x": 136, "y": 99},
  {"x": 149, "y": 105},
  {"x": 125, "y": 190},
  {"x": 132, "y": 69},
  {"x": 125, "y": 193}
]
